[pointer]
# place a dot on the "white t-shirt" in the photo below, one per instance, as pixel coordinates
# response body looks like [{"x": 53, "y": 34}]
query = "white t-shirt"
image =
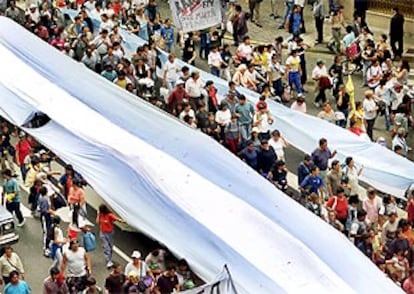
[
  {"x": 245, "y": 51},
  {"x": 223, "y": 117},
  {"x": 171, "y": 69},
  {"x": 160, "y": 259},
  {"x": 184, "y": 113},
  {"x": 193, "y": 87},
  {"x": 141, "y": 270},
  {"x": 369, "y": 109},
  {"x": 264, "y": 125},
  {"x": 89, "y": 5},
  {"x": 75, "y": 263},
  {"x": 278, "y": 145},
  {"x": 319, "y": 72},
  {"x": 214, "y": 59}
]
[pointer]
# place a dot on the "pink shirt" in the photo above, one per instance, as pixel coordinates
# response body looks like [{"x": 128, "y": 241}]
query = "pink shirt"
[{"x": 372, "y": 208}]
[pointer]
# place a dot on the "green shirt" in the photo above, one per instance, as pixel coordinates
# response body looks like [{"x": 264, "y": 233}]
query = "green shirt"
[{"x": 11, "y": 186}]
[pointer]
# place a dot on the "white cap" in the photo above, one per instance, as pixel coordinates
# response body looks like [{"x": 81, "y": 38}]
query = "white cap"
[
  {"x": 32, "y": 6},
  {"x": 179, "y": 82},
  {"x": 136, "y": 254}
]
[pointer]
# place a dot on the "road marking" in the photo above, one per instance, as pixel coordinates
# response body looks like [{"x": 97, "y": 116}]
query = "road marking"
[
  {"x": 122, "y": 254},
  {"x": 27, "y": 213}
]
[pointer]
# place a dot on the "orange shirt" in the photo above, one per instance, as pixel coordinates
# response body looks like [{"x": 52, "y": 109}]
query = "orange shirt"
[
  {"x": 76, "y": 196},
  {"x": 409, "y": 236}
]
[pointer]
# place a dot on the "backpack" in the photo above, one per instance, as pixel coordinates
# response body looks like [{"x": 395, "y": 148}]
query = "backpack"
[{"x": 89, "y": 241}]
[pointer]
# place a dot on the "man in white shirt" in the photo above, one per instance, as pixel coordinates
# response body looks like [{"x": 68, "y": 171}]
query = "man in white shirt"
[
  {"x": 193, "y": 87},
  {"x": 215, "y": 61},
  {"x": 101, "y": 43},
  {"x": 90, "y": 5},
  {"x": 34, "y": 13},
  {"x": 106, "y": 23},
  {"x": 90, "y": 59},
  {"x": 170, "y": 71}
]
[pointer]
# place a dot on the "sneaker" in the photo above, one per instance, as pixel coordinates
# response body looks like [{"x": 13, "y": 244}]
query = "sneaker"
[
  {"x": 109, "y": 264},
  {"x": 46, "y": 253},
  {"x": 280, "y": 27},
  {"x": 317, "y": 105},
  {"x": 22, "y": 223},
  {"x": 272, "y": 15},
  {"x": 276, "y": 16}
]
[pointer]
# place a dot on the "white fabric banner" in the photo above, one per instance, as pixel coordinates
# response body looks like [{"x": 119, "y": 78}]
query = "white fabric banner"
[
  {"x": 222, "y": 284},
  {"x": 194, "y": 15}
]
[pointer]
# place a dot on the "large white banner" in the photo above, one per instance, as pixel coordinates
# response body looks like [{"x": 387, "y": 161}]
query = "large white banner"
[
  {"x": 194, "y": 15},
  {"x": 222, "y": 284}
]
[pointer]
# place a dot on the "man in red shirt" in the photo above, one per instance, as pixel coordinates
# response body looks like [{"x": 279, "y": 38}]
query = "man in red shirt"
[
  {"x": 106, "y": 219},
  {"x": 22, "y": 150},
  {"x": 176, "y": 97}
]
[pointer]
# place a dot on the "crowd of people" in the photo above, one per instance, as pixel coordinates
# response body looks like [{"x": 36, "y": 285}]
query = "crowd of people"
[
  {"x": 277, "y": 71},
  {"x": 69, "y": 247}
]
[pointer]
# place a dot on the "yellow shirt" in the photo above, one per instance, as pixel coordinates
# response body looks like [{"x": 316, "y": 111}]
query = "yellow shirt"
[{"x": 293, "y": 62}]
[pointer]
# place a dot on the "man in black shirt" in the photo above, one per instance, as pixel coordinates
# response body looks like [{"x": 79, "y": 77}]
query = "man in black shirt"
[
  {"x": 168, "y": 281},
  {"x": 397, "y": 32}
]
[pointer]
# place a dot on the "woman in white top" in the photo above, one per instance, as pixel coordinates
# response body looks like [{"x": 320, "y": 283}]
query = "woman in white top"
[
  {"x": 403, "y": 72},
  {"x": 262, "y": 120},
  {"x": 352, "y": 173},
  {"x": 278, "y": 143},
  {"x": 374, "y": 74},
  {"x": 370, "y": 112}
]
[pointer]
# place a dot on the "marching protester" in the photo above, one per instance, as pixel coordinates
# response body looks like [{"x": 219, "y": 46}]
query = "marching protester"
[{"x": 105, "y": 219}]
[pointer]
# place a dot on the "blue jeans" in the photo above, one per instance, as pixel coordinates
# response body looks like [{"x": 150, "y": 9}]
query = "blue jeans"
[
  {"x": 245, "y": 131},
  {"x": 215, "y": 71},
  {"x": 107, "y": 245},
  {"x": 170, "y": 85},
  {"x": 288, "y": 9},
  {"x": 294, "y": 79}
]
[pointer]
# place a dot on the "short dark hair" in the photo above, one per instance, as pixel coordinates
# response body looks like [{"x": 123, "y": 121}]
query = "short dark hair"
[
  {"x": 171, "y": 267},
  {"x": 322, "y": 141},
  {"x": 54, "y": 271}
]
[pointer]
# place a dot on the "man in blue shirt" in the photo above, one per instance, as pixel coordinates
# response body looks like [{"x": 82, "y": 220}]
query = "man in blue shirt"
[
  {"x": 304, "y": 168},
  {"x": 16, "y": 286},
  {"x": 167, "y": 32},
  {"x": 11, "y": 195},
  {"x": 45, "y": 218},
  {"x": 249, "y": 154},
  {"x": 313, "y": 183},
  {"x": 245, "y": 113}
]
